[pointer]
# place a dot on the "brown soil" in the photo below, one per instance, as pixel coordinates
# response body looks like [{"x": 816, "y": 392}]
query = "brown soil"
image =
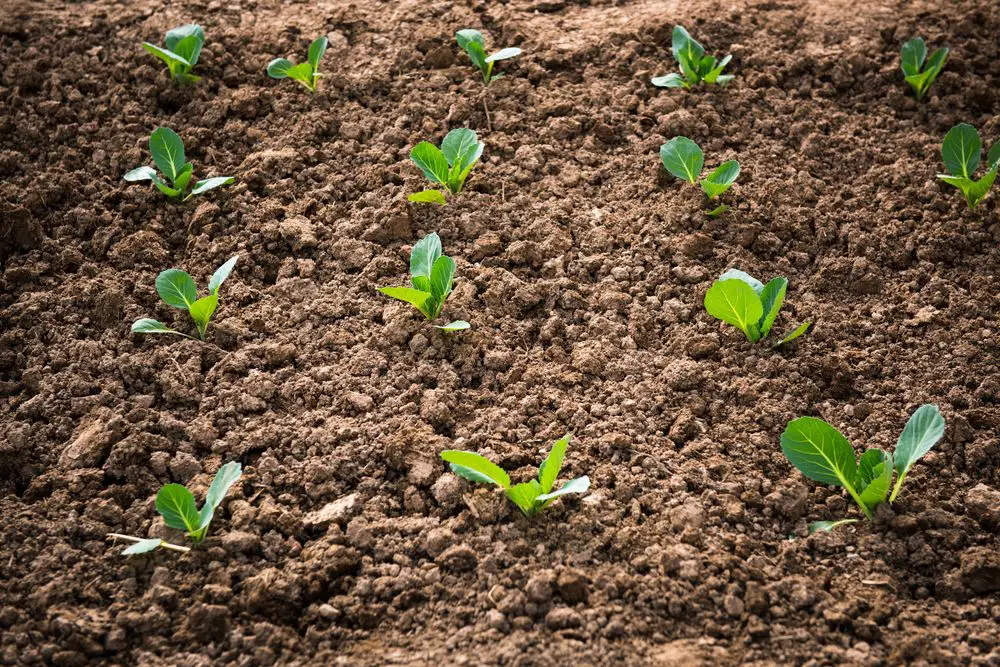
[{"x": 582, "y": 269}]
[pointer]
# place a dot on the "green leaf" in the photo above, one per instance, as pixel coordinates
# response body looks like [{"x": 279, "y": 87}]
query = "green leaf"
[
  {"x": 431, "y": 162},
  {"x": 548, "y": 472},
  {"x": 472, "y": 43},
  {"x": 827, "y": 526},
  {"x": 715, "y": 75},
  {"x": 176, "y": 288},
  {"x": 524, "y": 496},
  {"x": 819, "y": 451},
  {"x": 718, "y": 210},
  {"x": 923, "y": 81},
  {"x": 683, "y": 158},
  {"x": 993, "y": 157},
  {"x": 278, "y": 68},
  {"x": 457, "y": 325},
  {"x": 142, "y": 546},
  {"x": 184, "y": 177},
  {"x": 221, "y": 273},
  {"x": 912, "y": 56},
  {"x": 303, "y": 73},
  {"x": 168, "y": 152},
  {"x": 578, "y": 485},
  {"x": 757, "y": 285},
  {"x": 425, "y": 253},
  {"x": 442, "y": 275},
  {"x": 176, "y": 504},
  {"x": 316, "y": 51},
  {"x": 224, "y": 479},
  {"x": 504, "y": 54},
  {"x": 172, "y": 59},
  {"x": 207, "y": 184},
  {"x": 140, "y": 174},
  {"x": 873, "y": 477},
  {"x": 416, "y": 298},
  {"x": 189, "y": 48},
  {"x": 470, "y": 474},
  {"x": 771, "y": 299},
  {"x": 923, "y": 430},
  {"x": 148, "y": 325},
  {"x": 201, "y": 312},
  {"x": 478, "y": 464},
  {"x": 175, "y": 36},
  {"x": 801, "y": 329},
  {"x": 979, "y": 189},
  {"x": 170, "y": 192},
  {"x": 961, "y": 150},
  {"x": 721, "y": 179},
  {"x": 733, "y": 301},
  {"x": 428, "y": 197},
  {"x": 461, "y": 147},
  {"x": 685, "y": 49},
  {"x": 672, "y": 80}
]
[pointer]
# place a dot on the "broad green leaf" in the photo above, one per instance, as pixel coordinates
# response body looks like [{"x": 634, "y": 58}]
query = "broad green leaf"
[
  {"x": 176, "y": 504},
  {"x": 873, "y": 477},
  {"x": 167, "y": 190},
  {"x": 428, "y": 197},
  {"x": 771, "y": 299},
  {"x": 993, "y": 157},
  {"x": 827, "y": 526},
  {"x": 961, "y": 150},
  {"x": 819, "y": 451},
  {"x": 979, "y": 189},
  {"x": 189, "y": 48},
  {"x": 202, "y": 310},
  {"x": 961, "y": 182},
  {"x": 416, "y": 298},
  {"x": 685, "y": 48},
  {"x": 169, "y": 57},
  {"x": 210, "y": 184},
  {"x": 705, "y": 65},
  {"x": 184, "y": 177},
  {"x": 457, "y": 325},
  {"x": 316, "y": 51},
  {"x": 173, "y": 37},
  {"x": 176, "y": 288},
  {"x": 524, "y": 496},
  {"x": 736, "y": 303},
  {"x": 461, "y": 147},
  {"x": 224, "y": 479},
  {"x": 141, "y": 174},
  {"x": 683, "y": 158},
  {"x": 934, "y": 66},
  {"x": 912, "y": 56},
  {"x": 801, "y": 329},
  {"x": 303, "y": 72},
  {"x": 718, "y": 210},
  {"x": 757, "y": 285},
  {"x": 479, "y": 464},
  {"x": 148, "y": 325},
  {"x": 504, "y": 54},
  {"x": 721, "y": 179},
  {"x": 442, "y": 275},
  {"x": 923, "y": 430},
  {"x": 472, "y": 43},
  {"x": 142, "y": 546},
  {"x": 672, "y": 80},
  {"x": 168, "y": 152},
  {"x": 578, "y": 485},
  {"x": 431, "y": 162},
  {"x": 425, "y": 252},
  {"x": 278, "y": 68},
  {"x": 470, "y": 474},
  {"x": 221, "y": 273},
  {"x": 548, "y": 472},
  {"x": 715, "y": 74}
]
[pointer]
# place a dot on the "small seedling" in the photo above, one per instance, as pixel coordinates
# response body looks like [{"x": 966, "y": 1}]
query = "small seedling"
[
  {"x": 449, "y": 165},
  {"x": 961, "y": 152},
  {"x": 823, "y": 454},
  {"x": 177, "y": 506},
  {"x": 306, "y": 73},
  {"x": 739, "y": 299},
  {"x": 432, "y": 275},
  {"x": 168, "y": 154},
  {"x": 685, "y": 160},
  {"x": 530, "y": 497},
  {"x": 695, "y": 66},
  {"x": 912, "y": 58},
  {"x": 183, "y": 46},
  {"x": 177, "y": 289},
  {"x": 472, "y": 42}
]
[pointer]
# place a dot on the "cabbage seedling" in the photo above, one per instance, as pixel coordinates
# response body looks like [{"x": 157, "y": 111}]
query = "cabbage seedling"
[
  {"x": 176, "y": 505},
  {"x": 823, "y": 454},
  {"x": 449, "y": 165},
  {"x": 472, "y": 42},
  {"x": 177, "y": 289},
  {"x": 912, "y": 58},
  {"x": 306, "y": 73},
  {"x": 696, "y": 67},
  {"x": 432, "y": 275},
  {"x": 530, "y": 497},
  {"x": 961, "y": 152},
  {"x": 739, "y": 299},
  {"x": 168, "y": 154},
  {"x": 685, "y": 160},
  {"x": 183, "y": 47}
]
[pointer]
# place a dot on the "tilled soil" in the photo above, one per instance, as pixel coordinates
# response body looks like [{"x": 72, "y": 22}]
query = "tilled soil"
[{"x": 582, "y": 267}]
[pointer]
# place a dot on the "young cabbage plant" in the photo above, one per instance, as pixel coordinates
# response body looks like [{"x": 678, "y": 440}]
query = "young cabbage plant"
[
  {"x": 448, "y": 166},
  {"x": 472, "y": 42},
  {"x": 183, "y": 47},
  {"x": 168, "y": 154},
  {"x": 739, "y": 299},
  {"x": 306, "y": 73},
  {"x": 529, "y": 497},
  {"x": 685, "y": 160},
  {"x": 696, "y": 67},
  {"x": 177, "y": 289},
  {"x": 432, "y": 275},
  {"x": 961, "y": 152},
  {"x": 823, "y": 454},
  {"x": 912, "y": 58}
]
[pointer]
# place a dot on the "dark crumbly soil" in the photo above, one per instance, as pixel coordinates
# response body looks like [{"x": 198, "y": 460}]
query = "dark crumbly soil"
[{"x": 582, "y": 270}]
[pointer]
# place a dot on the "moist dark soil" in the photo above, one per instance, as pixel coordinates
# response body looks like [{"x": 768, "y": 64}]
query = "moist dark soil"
[{"x": 582, "y": 267}]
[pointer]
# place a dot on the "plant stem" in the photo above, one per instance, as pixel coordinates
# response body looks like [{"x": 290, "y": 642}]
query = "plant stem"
[{"x": 897, "y": 487}]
